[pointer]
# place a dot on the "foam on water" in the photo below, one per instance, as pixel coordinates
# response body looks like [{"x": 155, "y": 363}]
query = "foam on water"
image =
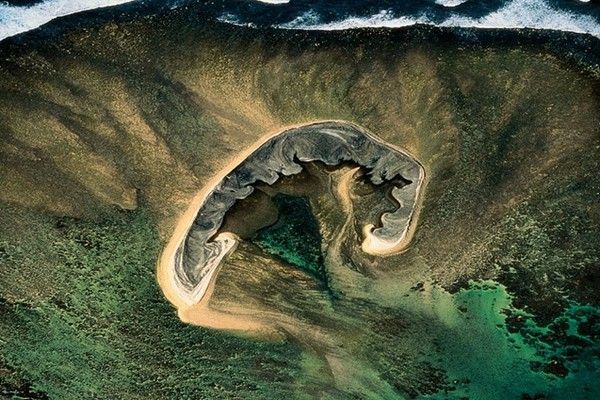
[
  {"x": 274, "y": 1},
  {"x": 450, "y": 3},
  {"x": 15, "y": 20},
  {"x": 536, "y": 14},
  {"x": 577, "y": 17},
  {"x": 232, "y": 19},
  {"x": 385, "y": 18}
]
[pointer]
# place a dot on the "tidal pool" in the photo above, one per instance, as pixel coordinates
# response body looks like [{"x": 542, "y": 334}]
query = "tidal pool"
[{"x": 193, "y": 257}]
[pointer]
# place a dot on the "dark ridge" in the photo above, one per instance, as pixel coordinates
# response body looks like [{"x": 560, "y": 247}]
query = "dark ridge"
[{"x": 582, "y": 50}]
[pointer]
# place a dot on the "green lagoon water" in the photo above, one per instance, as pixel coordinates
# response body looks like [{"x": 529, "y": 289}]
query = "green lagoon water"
[
  {"x": 295, "y": 237},
  {"x": 487, "y": 348},
  {"x": 492, "y": 351}
]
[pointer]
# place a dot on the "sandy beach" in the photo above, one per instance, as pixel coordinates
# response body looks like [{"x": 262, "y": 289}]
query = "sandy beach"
[{"x": 197, "y": 310}]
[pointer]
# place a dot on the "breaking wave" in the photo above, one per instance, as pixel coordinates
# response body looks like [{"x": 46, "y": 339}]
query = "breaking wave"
[
  {"x": 580, "y": 16},
  {"x": 18, "y": 19},
  {"x": 535, "y": 14}
]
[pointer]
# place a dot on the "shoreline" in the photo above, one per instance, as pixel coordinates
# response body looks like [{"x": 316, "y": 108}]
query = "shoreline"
[
  {"x": 377, "y": 248},
  {"x": 580, "y": 49}
]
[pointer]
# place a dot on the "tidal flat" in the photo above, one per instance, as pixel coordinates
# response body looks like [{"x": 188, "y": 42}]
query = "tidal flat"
[{"x": 110, "y": 126}]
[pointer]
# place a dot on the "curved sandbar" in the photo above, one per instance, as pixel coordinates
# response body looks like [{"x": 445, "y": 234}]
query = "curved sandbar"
[{"x": 193, "y": 256}]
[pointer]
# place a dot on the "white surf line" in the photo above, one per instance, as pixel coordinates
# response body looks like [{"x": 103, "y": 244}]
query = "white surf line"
[
  {"x": 19, "y": 19},
  {"x": 534, "y": 14},
  {"x": 274, "y": 1},
  {"x": 517, "y": 14},
  {"x": 450, "y": 3}
]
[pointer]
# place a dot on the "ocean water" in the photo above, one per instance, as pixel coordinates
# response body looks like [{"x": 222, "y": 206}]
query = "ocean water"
[
  {"x": 562, "y": 15},
  {"x": 581, "y": 16},
  {"x": 22, "y": 16}
]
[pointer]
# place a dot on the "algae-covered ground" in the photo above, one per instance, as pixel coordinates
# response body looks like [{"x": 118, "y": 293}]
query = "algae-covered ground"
[
  {"x": 109, "y": 128},
  {"x": 100, "y": 327},
  {"x": 103, "y": 330}
]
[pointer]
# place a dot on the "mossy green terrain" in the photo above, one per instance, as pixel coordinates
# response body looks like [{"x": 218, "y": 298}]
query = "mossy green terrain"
[
  {"x": 295, "y": 236},
  {"x": 107, "y": 132},
  {"x": 105, "y": 331}
]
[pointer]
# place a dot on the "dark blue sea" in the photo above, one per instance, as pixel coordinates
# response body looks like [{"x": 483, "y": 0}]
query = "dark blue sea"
[{"x": 581, "y": 16}]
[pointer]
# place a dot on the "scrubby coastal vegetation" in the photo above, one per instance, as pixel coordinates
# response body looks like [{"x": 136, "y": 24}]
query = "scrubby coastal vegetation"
[{"x": 110, "y": 128}]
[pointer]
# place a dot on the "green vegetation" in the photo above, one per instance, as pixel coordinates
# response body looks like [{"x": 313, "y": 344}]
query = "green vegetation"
[
  {"x": 110, "y": 334},
  {"x": 145, "y": 111},
  {"x": 106, "y": 331},
  {"x": 295, "y": 237}
]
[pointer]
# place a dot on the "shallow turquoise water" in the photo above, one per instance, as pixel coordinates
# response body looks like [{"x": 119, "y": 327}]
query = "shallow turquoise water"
[
  {"x": 488, "y": 348},
  {"x": 493, "y": 351}
]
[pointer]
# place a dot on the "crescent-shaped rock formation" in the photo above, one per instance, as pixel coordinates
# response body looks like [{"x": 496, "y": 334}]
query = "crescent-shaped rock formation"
[{"x": 197, "y": 254}]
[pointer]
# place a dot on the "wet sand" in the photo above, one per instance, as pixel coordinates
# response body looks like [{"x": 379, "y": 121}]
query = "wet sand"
[
  {"x": 377, "y": 247},
  {"x": 198, "y": 311}
]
